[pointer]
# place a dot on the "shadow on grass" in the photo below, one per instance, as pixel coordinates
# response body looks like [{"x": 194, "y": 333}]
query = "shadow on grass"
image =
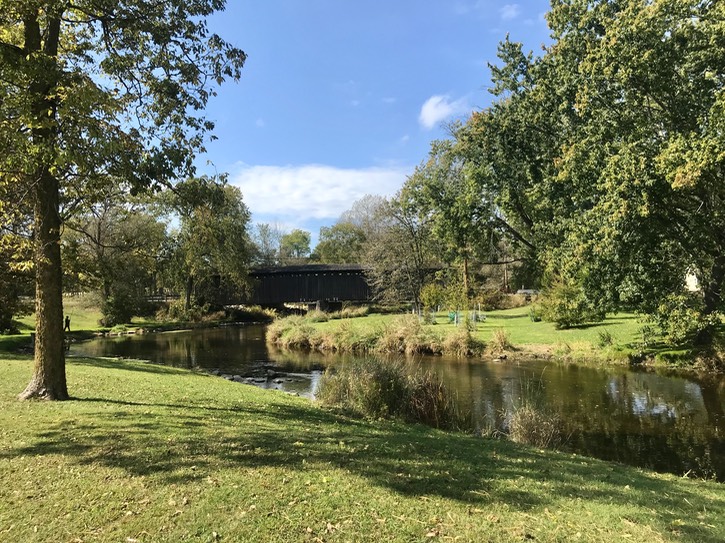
[
  {"x": 14, "y": 343},
  {"x": 185, "y": 442},
  {"x": 506, "y": 317},
  {"x": 144, "y": 366}
]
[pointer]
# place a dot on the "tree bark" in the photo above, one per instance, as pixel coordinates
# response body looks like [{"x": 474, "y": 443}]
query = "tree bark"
[
  {"x": 466, "y": 283},
  {"x": 189, "y": 291},
  {"x": 49, "y": 380}
]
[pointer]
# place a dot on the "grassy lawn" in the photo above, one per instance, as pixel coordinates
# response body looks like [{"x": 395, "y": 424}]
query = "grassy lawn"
[
  {"x": 147, "y": 453},
  {"x": 82, "y": 310},
  {"x": 84, "y": 315},
  {"x": 623, "y": 327}
]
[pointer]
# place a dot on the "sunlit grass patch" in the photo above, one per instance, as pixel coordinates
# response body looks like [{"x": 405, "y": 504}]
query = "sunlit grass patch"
[{"x": 152, "y": 453}]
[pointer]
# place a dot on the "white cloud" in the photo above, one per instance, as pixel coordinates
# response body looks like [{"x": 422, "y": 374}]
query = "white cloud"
[
  {"x": 509, "y": 11},
  {"x": 260, "y": 123},
  {"x": 295, "y": 194},
  {"x": 464, "y": 8},
  {"x": 439, "y": 108}
]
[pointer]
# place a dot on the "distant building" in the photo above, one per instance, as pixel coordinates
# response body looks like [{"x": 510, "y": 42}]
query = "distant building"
[
  {"x": 691, "y": 282},
  {"x": 527, "y": 293}
]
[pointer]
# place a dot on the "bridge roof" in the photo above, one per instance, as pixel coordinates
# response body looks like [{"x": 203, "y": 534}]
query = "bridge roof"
[{"x": 309, "y": 269}]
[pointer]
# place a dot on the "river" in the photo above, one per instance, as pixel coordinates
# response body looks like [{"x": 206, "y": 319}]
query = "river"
[{"x": 659, "y": 420}]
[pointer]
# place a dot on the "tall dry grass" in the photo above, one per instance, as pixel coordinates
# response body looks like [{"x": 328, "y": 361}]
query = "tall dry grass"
[
  {"x": 381, "y": 388},
  {"x": 537, "y": 427}
]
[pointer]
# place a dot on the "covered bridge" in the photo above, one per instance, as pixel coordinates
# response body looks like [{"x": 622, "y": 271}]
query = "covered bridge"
[{"x": 326, "y": 284}]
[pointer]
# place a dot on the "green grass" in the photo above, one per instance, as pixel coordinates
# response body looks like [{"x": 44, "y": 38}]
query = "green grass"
[
  {"x": 526, "y": 336},
  {"x": 150, "y": 454},
  {"x": 84, "y": 314},
  {"x": 82, "y": 310}
]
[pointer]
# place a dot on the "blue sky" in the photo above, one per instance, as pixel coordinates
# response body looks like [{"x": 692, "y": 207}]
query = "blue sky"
[{"x": 342, "y": 98}]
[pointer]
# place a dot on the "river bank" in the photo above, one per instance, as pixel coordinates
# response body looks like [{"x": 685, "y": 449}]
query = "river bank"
[
  {"x": 151, "y": 453},
  {"x": 507, "y": 334}
]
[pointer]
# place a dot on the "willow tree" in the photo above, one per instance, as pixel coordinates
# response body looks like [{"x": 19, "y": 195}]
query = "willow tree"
[{"x": 90, "y": 91}]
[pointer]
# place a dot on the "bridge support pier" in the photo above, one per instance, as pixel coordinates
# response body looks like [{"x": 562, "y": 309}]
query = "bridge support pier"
[{"x": 325, "y": 305}]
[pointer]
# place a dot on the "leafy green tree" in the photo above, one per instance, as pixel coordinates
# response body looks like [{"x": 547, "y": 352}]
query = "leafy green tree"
[
  {"x": 460, "y": 214},
  {"x": 92, "y": 91},
  {"x": 266, "y": 241},
  {"x": 112, "y": 248},
  {"x": 212, "y": 241},
  {"x": 399, "y": 254},
  {"x": 646, "y": 164},
  {"x": 294, "y": 247},
  {"x": 15, "y": 268},
  {"x": 341, "y": 243},
  {"x": 15, "y": 286},
  {"x": 604, "y": 156}
]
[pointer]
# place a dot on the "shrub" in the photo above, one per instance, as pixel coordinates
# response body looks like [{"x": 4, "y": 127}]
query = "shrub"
[
  {"x": 462, "y": 343},
  {"x": 500, "y": 342},
  {"x": 535, "y": 427},
  {"x": 379, "y": 388},
  {"x": 250, "y": 313},
  {"x": 567, "y": 305},
  {"x": 178, "y": 312},
  {"x": 293, "y": 331},
  {"x": 370, "y": 388},
  {"x": 352, "y": 312},
  {"x": 680, "y": 318},
  {"x": 649, "y": 335},
  {"x": 429, "y": 317},
  {"x": 348, "y": 338},
  {"x": 317, "y": 316},
  {"x": 535, "y": 314},
  {"x": 406, "y": 335},
  {"x": 431, "y": 403},
  {"x": 117, "y": 309},
  {"x": 432, "y": 296},
  {"x": 605, "y": 338},
  {"x": 512, "y": 301},
  {"x": 300, "y": 337},
  {"x": 490, "y": 298}
]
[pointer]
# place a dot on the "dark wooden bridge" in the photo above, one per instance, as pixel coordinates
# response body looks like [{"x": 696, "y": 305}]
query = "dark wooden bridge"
[{"x": 323, "y": 284}]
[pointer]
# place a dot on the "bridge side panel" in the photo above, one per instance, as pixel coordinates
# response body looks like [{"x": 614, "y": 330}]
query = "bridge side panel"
[{"x": 281, "y": 288}]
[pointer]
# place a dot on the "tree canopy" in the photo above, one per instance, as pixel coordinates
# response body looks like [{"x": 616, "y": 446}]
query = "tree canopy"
[
  {"x": 294, "y": 246},
  {"x": 341, "y": 243},
  {"x": 600, "y": 162},
  {"x": 212, "y": 242}
]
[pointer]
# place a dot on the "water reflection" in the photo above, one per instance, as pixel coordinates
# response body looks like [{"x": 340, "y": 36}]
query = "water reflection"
[{"x": 664, "y": 422}]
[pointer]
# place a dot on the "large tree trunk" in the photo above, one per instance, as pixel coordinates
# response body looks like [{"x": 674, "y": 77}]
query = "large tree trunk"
[
  {"x": 466, "y": 282},
  {"x": 49, "y": 381},
  {"x": 189, "y": 291}
]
